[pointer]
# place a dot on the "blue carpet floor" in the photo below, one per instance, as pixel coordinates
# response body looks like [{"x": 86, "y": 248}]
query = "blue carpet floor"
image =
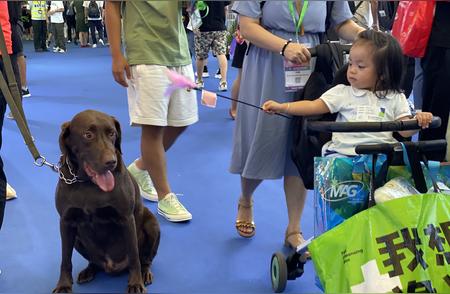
[{"x": 204, "y": 255}]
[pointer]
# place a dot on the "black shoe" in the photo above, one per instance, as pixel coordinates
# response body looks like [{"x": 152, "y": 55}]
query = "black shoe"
[
  {"x": 205, "y": 72},
  {"x": 218, "y": 75},
  {"x": 26, "y": 93}
]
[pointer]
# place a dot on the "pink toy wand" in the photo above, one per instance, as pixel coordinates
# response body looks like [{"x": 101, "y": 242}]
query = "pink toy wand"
[{"x": 182, "y": 82}]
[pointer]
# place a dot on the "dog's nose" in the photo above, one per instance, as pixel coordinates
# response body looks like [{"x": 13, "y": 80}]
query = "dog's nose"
[{"x": 111, "y": 164}]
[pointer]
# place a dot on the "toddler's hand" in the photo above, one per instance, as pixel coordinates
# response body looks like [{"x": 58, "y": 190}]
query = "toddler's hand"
[
  {"x": 272, "y": 107},
  {"x": 424, "y": 119}
]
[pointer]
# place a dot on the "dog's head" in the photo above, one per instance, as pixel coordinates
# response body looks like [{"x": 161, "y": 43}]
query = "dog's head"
[{"x": 90, "y": 142}]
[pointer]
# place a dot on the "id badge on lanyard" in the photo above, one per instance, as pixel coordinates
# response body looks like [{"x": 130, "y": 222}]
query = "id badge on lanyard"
[{"x": 296, "y": 75}]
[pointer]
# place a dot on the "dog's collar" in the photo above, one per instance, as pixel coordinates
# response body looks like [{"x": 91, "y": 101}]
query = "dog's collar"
[{"x": 74, "y": 178}]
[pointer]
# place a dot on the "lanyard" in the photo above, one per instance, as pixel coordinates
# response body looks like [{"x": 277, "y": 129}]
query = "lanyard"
[{"x": 293, "y": 12}]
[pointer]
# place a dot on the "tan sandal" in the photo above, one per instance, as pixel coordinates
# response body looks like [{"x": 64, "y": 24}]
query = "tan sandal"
[
  {"x": 288, "y": 238},
  {"x": 246, "y": 229}
]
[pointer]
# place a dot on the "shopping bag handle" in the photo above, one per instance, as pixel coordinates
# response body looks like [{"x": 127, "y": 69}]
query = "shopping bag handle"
[{"x": 412, "y": 162}]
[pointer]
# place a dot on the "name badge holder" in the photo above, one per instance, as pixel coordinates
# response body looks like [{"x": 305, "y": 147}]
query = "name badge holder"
[{"x": 296, "y": 75}]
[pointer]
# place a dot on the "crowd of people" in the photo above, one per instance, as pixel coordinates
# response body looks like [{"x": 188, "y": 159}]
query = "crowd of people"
[
  {"x": 277, "y": 34},
  {"x": 61, "y": 22}
]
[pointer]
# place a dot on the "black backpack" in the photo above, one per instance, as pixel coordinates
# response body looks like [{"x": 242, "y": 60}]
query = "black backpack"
[
  {"x": 93, "y": 10},
  {"x": 329, "y": 71}
]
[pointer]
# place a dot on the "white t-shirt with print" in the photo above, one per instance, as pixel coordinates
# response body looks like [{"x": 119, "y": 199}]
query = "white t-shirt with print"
[
  {"x": 56, "y": 17},
  {"x": 99, "y": 5},
  {"x": 357, "y": 105}
]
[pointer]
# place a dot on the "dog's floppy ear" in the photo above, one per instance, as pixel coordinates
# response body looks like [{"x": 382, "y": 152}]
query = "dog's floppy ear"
[
  {"x": 65, "y": 132},
  {"x": 119, "y": 134}
]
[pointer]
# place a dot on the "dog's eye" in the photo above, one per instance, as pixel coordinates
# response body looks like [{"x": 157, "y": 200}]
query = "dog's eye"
[
  {"x": 112, "y": 134},
  {"x": 88, "y": 135}
]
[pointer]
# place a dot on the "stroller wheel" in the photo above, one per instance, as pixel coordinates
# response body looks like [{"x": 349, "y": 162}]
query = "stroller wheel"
[{"x": 278, "y": 272}]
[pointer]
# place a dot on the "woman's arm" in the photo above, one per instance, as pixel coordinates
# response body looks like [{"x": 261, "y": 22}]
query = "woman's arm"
[
  {"x": 252, "y": 31},
  {"x": 349, "y": 30}
]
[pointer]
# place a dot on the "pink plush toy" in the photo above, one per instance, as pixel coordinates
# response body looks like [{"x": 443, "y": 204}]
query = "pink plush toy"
[{"x": 178, "y": 82}]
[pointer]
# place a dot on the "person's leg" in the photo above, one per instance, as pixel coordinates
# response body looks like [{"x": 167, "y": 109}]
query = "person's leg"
[
  {"x": 153, "y": 158},
  {"x": 244, "y": 218},
  {"x": 201, "y": 54},
  {"x": 235, "y": 93},
  {"x": 219, "y": 49},
  {"x": 59, "y": 37},
  {"x": 37, "y": 36},
  {"x": 295, "y": 193},
  {"x": 92, "y": 29},
  {"x": 223, "y": 66},
  {"x": 151, "y": 138},
  {"x": 99, "y": 27},
  {"x": 199, "y": 63},
  {"x": 23, "y": 71}
]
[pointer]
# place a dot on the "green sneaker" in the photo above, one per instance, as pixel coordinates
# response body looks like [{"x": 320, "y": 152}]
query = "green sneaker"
[
  {"x": 144, "y": 182},
  {"x": 172, "y": 209}
]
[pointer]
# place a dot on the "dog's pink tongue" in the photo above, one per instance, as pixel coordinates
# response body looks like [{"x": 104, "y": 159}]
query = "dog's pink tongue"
[{"x": 105, "y": 181}]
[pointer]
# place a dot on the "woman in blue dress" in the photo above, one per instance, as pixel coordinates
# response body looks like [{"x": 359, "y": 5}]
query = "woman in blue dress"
[{"x": 261, "y": 142}]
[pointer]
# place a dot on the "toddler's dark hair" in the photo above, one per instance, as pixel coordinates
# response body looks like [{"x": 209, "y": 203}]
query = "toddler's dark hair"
[{"x": 388, "y": 60}]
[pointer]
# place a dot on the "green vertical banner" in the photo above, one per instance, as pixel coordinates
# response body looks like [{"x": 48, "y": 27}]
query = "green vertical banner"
[{"x": 400, "y": 246}]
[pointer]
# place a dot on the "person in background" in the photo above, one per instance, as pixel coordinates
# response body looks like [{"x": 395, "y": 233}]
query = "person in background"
[
  {"x": 436, "y": 76},
  {"x": 71, "y": 23},
  {"x": 155, "y": 41},
  {"x": 39, "y": 22},
  {"x": 82, "y": 27},
  {"x": 212, "y": 34},
  {"x": 93, "y": 11},
  {"x": 6, "y": 191},
  {"x": 57, "y": 23}
]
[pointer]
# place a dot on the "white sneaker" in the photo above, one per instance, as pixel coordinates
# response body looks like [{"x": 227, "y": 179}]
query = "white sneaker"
[
  {"x": 171, "y": 209},
  {"x": 223, "y": 86},
  {"x": 10, "y": 192},
  {"x": 200, "y": 84},
  {"x": 101, "y": 42},
  {"x": 94, "y": 46},
  {"x": 144, "y": 182}
]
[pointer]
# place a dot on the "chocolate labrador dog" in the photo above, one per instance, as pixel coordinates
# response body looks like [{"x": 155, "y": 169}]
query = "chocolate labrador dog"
[{"x": 100, "y": 207}]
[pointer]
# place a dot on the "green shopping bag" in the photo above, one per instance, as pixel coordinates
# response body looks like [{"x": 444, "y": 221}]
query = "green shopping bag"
[{"x": 397, "y": 246}]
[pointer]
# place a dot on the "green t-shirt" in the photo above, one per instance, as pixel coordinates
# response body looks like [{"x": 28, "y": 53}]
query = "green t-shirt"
[{"x": 154, "y": 33}]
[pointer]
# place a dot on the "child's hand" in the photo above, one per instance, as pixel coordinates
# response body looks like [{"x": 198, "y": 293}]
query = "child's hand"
[
  {"x": 424, "y": 119},
  {"x": 271, "y": 107}
]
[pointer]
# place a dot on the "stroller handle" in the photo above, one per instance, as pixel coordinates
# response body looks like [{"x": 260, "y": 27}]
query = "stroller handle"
[
  {"x": 343, "y": 47},
  {"x": 354, "y": 127},
  {"x": 423, "y": 146}
]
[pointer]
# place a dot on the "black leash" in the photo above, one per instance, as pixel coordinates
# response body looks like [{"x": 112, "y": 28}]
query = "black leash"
[{"x": 243, "y": 102}]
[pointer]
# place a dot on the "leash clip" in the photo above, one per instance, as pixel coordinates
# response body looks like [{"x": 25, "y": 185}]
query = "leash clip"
[{"x": 41, "y": 161}]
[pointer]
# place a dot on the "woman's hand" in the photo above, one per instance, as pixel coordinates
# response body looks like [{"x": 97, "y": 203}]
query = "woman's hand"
[
  {"x": 424, "y": 119},
  {"x": 297, "y": 53},
  {"x": 272, "y": 107}
]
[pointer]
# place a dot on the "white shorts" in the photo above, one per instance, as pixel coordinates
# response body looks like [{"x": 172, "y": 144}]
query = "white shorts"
[{"x": 147, "y": 104}]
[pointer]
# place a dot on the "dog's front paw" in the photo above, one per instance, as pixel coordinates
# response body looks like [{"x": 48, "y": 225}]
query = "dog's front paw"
[
  {"x": 63, "y": 289},
  {"x": 147, "y": 277},
  {"x": 136, "y": 288}
]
